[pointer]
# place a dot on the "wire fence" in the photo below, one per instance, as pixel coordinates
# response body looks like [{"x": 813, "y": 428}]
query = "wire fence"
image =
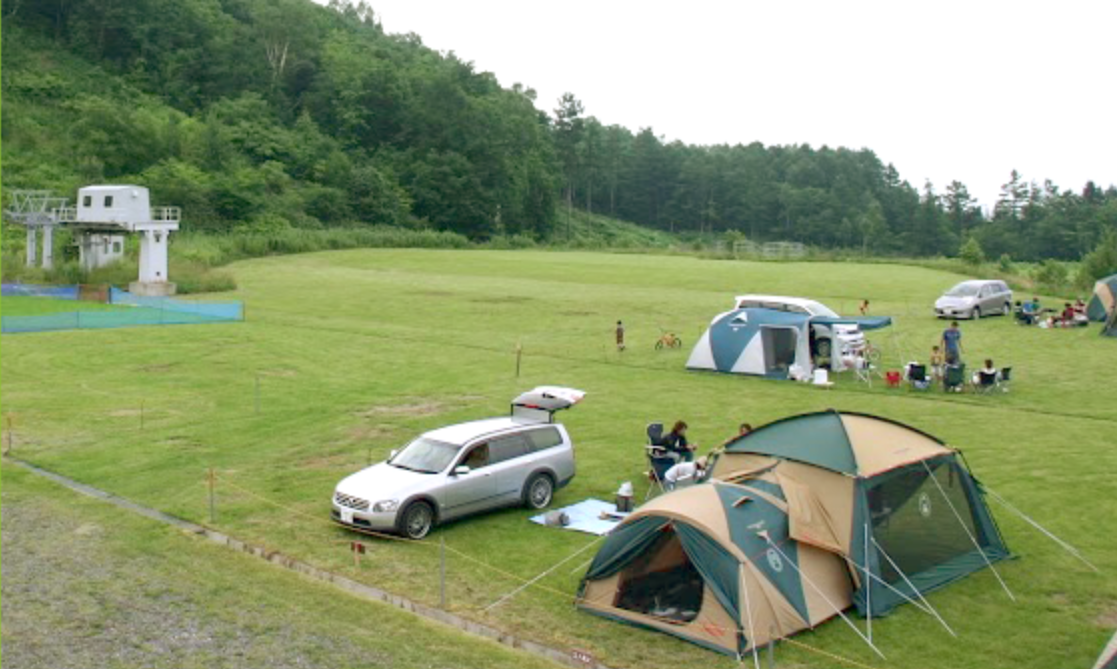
[{"x": 123, "y": 310}]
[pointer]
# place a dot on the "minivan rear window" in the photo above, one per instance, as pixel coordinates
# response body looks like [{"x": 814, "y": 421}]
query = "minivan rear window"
[
  {"x": 547, "y": 437},
  {"x": 506, "y": 448}
]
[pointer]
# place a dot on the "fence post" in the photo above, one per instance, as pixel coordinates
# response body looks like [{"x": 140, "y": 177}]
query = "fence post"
[
  {"x": 442, "y": 572},
  {"x": 141, "y": 414},
  {"x": 519, "y": 354},
  {"x": 8, "y": 450},
  {"x": 210, "y": 478},
  {"x": 257, "y": 393}
]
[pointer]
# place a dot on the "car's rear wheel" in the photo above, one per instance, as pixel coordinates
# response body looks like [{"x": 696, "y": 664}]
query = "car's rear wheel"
[
  {"x": 416, "y": 520},
  {"x": 1006, "y": 309},
  {"x": 539, "y": 492}
]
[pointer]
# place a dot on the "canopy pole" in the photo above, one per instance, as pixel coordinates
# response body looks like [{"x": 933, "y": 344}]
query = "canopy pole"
[
  {"x": 1050, "y": 535},
  {"x": 764, "y": 535},
  {"x": 752, "y": 630},
  {"x": 869, "y": 589},
  {"x": 930, "y": 609},
  {"x": 965, "y": 529}
]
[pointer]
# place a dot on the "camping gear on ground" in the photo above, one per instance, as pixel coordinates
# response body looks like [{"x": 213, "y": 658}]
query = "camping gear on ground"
[
  {"x": 556, "y": 519},
  {"x": 955, "y": 378},
  {"x": 1108, "y": 657},
  {"x": 766, "y": 342},
  {"x": 803, "y": 518},
  {"x": 624, "y": 497},
  {"x": 917, "y": 376},
  {"x": 892, "y": 378},
  {"x": 592, "y": 516},
  {"x": 1004, "y": 379}
]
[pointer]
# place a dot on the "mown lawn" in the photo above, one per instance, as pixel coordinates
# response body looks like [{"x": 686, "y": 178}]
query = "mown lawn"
[{"x": 348, "y": 354}]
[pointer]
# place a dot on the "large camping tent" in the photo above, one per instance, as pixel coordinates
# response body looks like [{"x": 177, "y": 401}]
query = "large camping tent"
[
  {"x": 1103, "y": 305},
  {"x": 766, "y": 342},
  {"x": 804, "y": 517}
]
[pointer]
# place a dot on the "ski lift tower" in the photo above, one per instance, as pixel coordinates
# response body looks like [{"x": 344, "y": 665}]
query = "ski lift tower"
[
  {"x": 101, "y": 218},
  {"x": 36, "y": 210}
]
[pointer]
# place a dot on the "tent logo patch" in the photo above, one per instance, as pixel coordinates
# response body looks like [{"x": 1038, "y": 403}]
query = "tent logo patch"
[
  {"x": 774, "y": 560},
  {"x": 925, "y": 505}
]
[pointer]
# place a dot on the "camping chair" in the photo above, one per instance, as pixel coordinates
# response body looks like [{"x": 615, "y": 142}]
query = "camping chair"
[
  {"x": 863, "y": 369},
  {"x": 1004, "y": 379},
  {"x": 955, "y": 378},
  {"x": 659, "y": 458},
  {"x": 892, "y": 378},
  {"x": 985, "y": 382},
  {"x": 917, "y": 377}
]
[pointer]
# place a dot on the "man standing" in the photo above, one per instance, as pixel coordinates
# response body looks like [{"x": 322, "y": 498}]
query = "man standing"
[
  {"x": 952, "y": 344},
  {"x": 620, "y": 336}
]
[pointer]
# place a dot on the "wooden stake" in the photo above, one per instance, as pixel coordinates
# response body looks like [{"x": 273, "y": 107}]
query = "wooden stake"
[
  {"x": 519, "y": 354},
  {"x": 442, "y": 572},
  {"x": 210, "y": 477},
  {"x": 141, "y": 414},
  {"x": 257, "y": 393},
  {"x": 8, "y": 450}
]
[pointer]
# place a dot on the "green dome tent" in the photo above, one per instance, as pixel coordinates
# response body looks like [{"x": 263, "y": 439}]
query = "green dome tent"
[
  {"x": 1108, "y": 657},
  {"x": 803, "y": 518}
]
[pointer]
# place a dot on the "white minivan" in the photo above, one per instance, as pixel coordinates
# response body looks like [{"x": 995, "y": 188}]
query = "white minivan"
[{"x": 463, "y": 469}]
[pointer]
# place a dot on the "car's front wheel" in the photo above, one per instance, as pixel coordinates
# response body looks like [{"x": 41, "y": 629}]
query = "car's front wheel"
[
  {"x": 539, "y": 491},
  {"x": 1006, "y": 310},
  {"x": 976, "y": 313},
  {"x": 416, "y": 520}
]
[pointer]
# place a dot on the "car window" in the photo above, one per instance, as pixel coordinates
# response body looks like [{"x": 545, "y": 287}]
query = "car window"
[
  {"x": 425, "y": 455},
  {"x": 506, "y": 448},
  {"x": 966, "y": 289},
  {"x": 477, "y": 457},
  {"x": 547, "y": 437}
]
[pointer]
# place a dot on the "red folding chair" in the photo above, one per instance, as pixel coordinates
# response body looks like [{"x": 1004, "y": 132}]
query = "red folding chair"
[{"x": 893, "y": 378}]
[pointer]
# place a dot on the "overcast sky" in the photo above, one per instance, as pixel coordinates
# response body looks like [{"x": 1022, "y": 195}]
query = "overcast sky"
[{"x": 944, "y": 90}]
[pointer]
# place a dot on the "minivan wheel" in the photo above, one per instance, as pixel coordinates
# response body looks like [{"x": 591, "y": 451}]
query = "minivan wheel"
[
  {"x": 1006, "y": 309},
  {"x": 416, "y": 520},
  {"x": 976, "y": 313},
  {"x": 539, "y": 491}
]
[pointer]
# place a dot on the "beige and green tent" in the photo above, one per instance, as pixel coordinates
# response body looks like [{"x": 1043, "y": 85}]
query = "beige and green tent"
[{"x": 802, "y": 519}]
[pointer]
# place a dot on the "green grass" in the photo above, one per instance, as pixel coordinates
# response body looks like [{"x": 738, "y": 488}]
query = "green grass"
[
  {"x": 126, "y": 575},
  {"x": 353, "y": 352}
]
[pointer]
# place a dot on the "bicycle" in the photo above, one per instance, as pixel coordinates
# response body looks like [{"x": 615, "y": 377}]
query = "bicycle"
[{"x": 668, "y": 340}]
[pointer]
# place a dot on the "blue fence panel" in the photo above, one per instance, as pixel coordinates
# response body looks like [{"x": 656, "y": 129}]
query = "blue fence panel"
[{"x": 32, "y": 290}]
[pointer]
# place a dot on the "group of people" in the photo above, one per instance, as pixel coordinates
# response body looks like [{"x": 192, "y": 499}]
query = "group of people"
[
  {"x": 687, "y": 467},
  {"x": 1033, "y": 312},
  {"x": 949, "y": 353}
]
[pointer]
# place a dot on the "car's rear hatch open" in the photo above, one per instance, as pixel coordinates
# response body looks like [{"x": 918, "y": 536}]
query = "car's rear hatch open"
[{"x": 539, "y": 404}]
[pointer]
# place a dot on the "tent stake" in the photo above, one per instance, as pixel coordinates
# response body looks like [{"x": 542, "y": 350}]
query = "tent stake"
[
  {"x": 752, "y": 632},
  {"x": 525, "y": 584},
  {"x": 965, "y": 529}
]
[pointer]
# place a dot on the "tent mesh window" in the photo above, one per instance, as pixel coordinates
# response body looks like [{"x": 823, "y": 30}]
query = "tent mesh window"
[
  {"x": 662, "y": 582},
  {"x": 913, "y": 522}
]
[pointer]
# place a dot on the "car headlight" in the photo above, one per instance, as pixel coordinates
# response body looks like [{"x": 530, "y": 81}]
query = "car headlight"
[{"x": 386, "y": 506}]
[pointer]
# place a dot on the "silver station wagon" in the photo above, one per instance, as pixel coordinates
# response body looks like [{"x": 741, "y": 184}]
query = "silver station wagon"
[
  {"x": 463, "y": 469},
  {"x": 974, "y": 299}
]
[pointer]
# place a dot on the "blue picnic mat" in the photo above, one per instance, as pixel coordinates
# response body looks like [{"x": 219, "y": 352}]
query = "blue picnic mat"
[{"x": 585, "y": 516}]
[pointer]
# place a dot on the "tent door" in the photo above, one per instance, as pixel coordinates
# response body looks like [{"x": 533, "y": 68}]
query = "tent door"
[{"x": 780, "y": 348}]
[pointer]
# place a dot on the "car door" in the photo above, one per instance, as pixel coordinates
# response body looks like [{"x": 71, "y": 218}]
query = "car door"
[
  {"x": 510, "y": 466},
  {"x": 985, "y": 299},
  {"x": 473, "y": 490}
]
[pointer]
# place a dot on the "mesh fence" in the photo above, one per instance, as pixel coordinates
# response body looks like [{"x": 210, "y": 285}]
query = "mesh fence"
[
  {"x": 31, "y": 290},
  {"x": 125, "y": 310}
]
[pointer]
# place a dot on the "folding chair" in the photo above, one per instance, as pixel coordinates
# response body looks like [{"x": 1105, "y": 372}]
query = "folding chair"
[
  {"x": 863, "y": 369},
  {"x": 892, "y": 378},
  {"x": 659, "y": 458},
  {"x": 917, "y": 377},
  {"x": 985, "y": 382},
  {"x": 1004, "y": 380},
  {"x": 955, "y": 378}
]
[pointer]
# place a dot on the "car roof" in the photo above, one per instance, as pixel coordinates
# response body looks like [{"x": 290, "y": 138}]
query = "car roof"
[
  {"x": 810, "y": 305},
  {"x": 979, "y": 282},
  {"x": 461, "y": 433}
]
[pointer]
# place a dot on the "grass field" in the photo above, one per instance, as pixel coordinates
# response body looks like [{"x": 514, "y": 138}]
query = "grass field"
[{"x": 347, "y": 354}]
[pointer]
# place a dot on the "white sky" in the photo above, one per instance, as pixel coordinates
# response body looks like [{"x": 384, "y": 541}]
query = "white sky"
[{"x": 945, "y": 90}]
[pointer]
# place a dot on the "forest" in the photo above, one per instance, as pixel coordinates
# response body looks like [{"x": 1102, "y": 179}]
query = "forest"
[{"x": 268, "y": 115}]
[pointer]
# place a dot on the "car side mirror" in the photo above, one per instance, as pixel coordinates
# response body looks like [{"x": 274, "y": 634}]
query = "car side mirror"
[{"x": 461, "y": 470}]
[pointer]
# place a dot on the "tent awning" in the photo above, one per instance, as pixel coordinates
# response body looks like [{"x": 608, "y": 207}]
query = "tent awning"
[{"x": 863, "y": 322}]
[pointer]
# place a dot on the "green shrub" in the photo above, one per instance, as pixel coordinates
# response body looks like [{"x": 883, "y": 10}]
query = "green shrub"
[
  {"x": 971, "y": 252},
  {"x": 1099, "y": 263}
]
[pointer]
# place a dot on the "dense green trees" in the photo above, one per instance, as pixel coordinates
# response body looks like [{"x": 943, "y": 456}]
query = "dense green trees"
[{"x": 264, "y": 114}]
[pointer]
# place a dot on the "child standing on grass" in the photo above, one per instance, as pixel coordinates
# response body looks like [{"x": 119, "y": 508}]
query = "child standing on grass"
[
  {"x": 938, "y": 363},
  {"x": 620, "y": 336}
]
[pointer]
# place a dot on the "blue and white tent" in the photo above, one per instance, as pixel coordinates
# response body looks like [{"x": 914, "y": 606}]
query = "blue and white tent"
[{"x": 766, "y": 342}]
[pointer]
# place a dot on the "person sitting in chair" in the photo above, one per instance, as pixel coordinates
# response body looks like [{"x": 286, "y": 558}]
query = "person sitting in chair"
[
  {"x": 987, "y": 375},
  {"x": 685, "y": 473},
  {"x": 675, "y": 442}
]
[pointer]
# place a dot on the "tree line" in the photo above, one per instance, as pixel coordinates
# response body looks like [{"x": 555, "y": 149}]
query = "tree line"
[{"x": 266, "y": 114}]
